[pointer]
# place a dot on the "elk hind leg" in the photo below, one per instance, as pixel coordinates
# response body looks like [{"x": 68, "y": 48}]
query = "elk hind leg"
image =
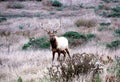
[
  {"x": 64, "y": 53},
  {"x": 68, "y": 52},
  {"x": 58, "y": 56}
]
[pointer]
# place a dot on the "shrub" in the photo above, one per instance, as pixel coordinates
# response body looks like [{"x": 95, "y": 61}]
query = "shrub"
[
  {"x": 104, "y": 29},
  {"x": 114, "y": 15},
  {"x": 116, "y": 9},
  {"x": 117, "y": 32},
  {"x": 80, "y": 64},
  {"x": 56, "y": 3},
  {"x": 60, "y": 8},
  {"x": 41, "y": 43},
  {"x": 115, "y": 12},
  {"x": 90, "y": 36},
  {"x": 105, "y": 24},
  {"x": 86, "y": 23},
  {"x": 108, "y": 1},
  {"x": 117, "y": 67},
  {"x": 38, "y": 0},
  {"x": 113, "y": 44},
  {"x": 76, "y": 39},
  {"x": 74, "y": 35},
  {"x": 19, "y": 79},
  {"x": 21, "y": 27},
  {"x": 2, "y": 19},
  {"x": 103, "y": 7},
  {"x": 15, "y": 6}
]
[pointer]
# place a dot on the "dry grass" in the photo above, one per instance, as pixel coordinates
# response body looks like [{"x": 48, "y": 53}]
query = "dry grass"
[
  {"x": 86, "y": 23},
  {"x": 31, "y": 65},
  {"x": 27, "y": 64}
]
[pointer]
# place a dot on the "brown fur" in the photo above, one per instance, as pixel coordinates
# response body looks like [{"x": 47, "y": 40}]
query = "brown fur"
[{"x": 54, "y": 45}]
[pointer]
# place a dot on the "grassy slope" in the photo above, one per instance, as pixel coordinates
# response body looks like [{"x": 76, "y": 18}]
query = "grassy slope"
[{"x": 30, "y": 65}]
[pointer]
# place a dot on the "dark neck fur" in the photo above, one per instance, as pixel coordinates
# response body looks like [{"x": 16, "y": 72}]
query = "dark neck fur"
[{"x": 53, "y": 43}]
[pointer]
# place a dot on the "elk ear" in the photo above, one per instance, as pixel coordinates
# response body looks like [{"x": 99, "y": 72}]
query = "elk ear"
[{"x": 55, "y": 31}]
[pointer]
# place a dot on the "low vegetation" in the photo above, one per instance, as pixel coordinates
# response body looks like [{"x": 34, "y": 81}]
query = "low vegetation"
[
  {"x": 76, "y": 35},
  {"x": 15, "y": 5},
  {"x": 103, "y": 7},
  {"x": 113, "y": 45},
  {"x": 115, "y": 12},
  {"x": 56, "y": 3},
  {"x": 90, "y": 65},
  {"x": 116, "y": 9},
  {"x": 117, "y": 32},
  {"x": 85, "y": 22},
  {"x": 19, "y": 79},
  {"x": 77, "y": 39},
  {"x": 33, "y": 43},
  {"x": 105, "y": 24},
  {"x": 74, "y": 38},
  {"x": 108, "y": 1},
  {"x": 3, "y": 19},
  {"x": 104, "y": 29}
]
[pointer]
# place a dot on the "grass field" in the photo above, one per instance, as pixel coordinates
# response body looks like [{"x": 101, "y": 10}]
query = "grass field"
[{"x": 91, "y": 27}]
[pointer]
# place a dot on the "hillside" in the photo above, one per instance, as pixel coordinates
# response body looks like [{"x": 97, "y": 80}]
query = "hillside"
[{"x": 91, "y": 27}]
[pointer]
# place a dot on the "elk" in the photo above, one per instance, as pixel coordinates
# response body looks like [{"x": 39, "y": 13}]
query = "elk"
[{"x": 58, "y": 44}]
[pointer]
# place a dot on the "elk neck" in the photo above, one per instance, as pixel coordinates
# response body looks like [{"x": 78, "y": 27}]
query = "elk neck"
[{"x": 53, "y": 42}]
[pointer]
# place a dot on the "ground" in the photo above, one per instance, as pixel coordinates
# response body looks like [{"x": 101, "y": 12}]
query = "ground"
[{"x": 25, "y": 23}]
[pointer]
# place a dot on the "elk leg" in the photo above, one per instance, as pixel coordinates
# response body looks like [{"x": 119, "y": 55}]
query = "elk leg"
[
  {"x": 53, "y": 56},
  {"x": 68, "y": 53},
  {"x": 58, "y": 56},
  {"x": 64, "y": 53}
]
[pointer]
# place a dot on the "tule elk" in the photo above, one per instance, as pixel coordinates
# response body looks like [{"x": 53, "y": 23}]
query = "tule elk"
[{"x": 58, "y": 44}]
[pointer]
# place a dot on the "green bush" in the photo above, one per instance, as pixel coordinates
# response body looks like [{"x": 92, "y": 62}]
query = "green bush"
[
  {"x": 108, "y": 1},
  {"x": 33, "y": 43},
  {"x": 117, "y": 32},
  {"x": 113, "y": 44},
  {"x": 19, "y": 79},
  {"x": 15, "y": 6},
  {"x": 116, "y": 9},
  {"x": 105, "y": 24},
  {"x": 76, "y": 39},
  {"x": 104, "y": 29},
  {"x": 2, "y": 19},
  {"x": 114, "y": 15},
  {"x": 115, "y": 12},
  {"x": 74, "y": 35},
  {"x": 90, "y": 36},
  {"x": 56, "y": 3}
]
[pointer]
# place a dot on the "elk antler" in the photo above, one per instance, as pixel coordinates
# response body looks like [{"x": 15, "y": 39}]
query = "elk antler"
[
  {"x": 44, "y": 28},
  {"x": 59, "y": 26}
]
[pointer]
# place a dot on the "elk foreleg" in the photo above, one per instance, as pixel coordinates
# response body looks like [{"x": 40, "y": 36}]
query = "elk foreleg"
[
  {"x": 53, "y": 53},
  {"x": 58, "y": 56}
]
